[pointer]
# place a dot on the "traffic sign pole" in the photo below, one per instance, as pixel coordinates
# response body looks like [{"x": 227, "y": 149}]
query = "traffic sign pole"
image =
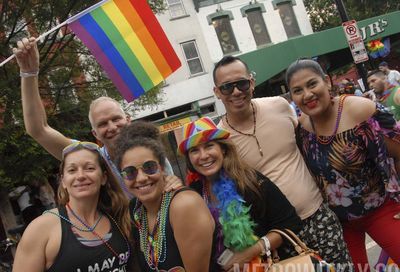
[{"x": 362, "y": 71}]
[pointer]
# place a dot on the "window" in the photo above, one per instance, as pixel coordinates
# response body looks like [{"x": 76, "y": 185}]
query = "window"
[
  {"x": 176, "y": 8},
  {"x": 225, "y": 34},
  {"x": 258, "y": 28},
  {"x": 192, "y": 57},
  {"x": 289, "y": 19}
]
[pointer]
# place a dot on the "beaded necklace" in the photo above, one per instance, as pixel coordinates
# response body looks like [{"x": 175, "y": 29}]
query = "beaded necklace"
[
  {"x": 122, "y": 257},
  {"x": 88, "y": 229},
  {"x": 248, "y": 134},
  {"x": 153, "y": 245},
  {"x": 327, "y": 140}
]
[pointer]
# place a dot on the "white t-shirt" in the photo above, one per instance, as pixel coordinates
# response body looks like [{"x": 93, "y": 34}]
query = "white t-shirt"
[{"x": 394, "y": 77}]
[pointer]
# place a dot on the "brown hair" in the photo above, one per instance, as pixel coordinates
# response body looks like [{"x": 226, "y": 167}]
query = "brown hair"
[
  {"x": 238, "y": 170},
  {"x": 111, "y": 199}
]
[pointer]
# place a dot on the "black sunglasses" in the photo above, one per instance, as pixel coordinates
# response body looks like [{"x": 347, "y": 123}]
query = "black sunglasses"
[
  {"x": 242, "y": 85},
  {"x": 131, "y": 172}
]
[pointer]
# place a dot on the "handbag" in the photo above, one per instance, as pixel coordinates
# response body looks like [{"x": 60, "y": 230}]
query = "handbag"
[{"x": 307, "y": 259}]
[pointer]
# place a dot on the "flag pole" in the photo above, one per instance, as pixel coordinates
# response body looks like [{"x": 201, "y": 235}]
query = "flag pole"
[{"x": 69, "y": 20}]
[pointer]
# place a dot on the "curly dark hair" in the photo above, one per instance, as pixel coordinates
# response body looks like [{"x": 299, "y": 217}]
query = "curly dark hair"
[
  {"x": 130, "y": 138},
  {"x": 142, "y": 128}
]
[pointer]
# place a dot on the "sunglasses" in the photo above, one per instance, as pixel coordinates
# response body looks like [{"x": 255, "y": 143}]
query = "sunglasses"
[
  {"x": 75, "y": 145},
  {"x": 242, "y": 85},
  {"x": 131, "y": 172}
]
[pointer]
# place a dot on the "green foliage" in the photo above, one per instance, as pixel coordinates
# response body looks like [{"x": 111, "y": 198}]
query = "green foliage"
[
  {"x": 323, "y": 13},
  {"x": 63, "y": 60}
]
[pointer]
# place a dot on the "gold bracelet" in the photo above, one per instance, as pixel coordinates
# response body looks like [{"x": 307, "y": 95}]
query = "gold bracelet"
[{"x": 28, "y": 74}]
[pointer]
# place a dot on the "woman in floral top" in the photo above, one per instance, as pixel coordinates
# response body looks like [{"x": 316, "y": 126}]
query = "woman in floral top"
[{"x": 352, "y": 146}]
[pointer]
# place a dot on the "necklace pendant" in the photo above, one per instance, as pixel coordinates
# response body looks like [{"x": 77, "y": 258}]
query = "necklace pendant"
[{"x": 261, "y": 153}]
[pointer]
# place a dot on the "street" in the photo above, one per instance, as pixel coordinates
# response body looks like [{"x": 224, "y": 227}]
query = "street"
[{"x": 374, "y": 251}]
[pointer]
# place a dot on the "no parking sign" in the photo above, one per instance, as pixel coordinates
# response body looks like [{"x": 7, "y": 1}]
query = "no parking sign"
[{"x": 355, "y": 41}]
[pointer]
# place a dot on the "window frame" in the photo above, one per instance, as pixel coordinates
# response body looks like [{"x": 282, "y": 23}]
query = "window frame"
[{"x": 198, "y": 57}]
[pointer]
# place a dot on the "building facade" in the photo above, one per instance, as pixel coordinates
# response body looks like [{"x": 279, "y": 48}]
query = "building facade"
[{"x": 203, "y": 31}]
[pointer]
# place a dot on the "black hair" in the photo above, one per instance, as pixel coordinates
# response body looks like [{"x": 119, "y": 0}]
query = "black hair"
[
  {"x": 375, "y": 72},
  {"x": 225, "y": 61},
  {"x": 142, "y": 128},
  {"x": 129, "y": 139},
  {"x": 302, "y": 64}
]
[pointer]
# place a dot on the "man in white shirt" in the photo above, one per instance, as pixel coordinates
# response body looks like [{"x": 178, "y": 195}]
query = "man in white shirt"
[{"x": 393, "y": 76}]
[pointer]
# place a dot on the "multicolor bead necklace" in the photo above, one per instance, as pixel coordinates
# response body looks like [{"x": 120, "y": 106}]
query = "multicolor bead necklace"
[
  {"x": 122, "y": 259},
  {"x": 153, "y": 245},
  {"x": 248, "y": 134},
  {"x": 328, "y": 140}
]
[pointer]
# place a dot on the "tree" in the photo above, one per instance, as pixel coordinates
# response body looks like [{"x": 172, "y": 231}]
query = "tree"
[
  {"x": 323, "y": 13},
  {"x": 66, "y": 93}
]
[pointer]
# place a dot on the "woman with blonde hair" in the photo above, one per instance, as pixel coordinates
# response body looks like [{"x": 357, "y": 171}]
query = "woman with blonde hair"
[
  {"x": 245, "y": 204},
  {"x": 90, "y": 228}
]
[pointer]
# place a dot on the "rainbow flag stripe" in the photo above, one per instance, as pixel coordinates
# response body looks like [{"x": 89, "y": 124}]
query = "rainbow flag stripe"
[{"x": 128, "y": 42}]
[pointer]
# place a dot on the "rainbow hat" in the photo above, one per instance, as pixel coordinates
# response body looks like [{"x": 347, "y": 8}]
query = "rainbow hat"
[{"x": 200, "y": 131}]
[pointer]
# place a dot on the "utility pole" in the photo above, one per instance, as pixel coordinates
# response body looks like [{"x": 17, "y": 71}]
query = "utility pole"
[{"x": 362, "y": 71}]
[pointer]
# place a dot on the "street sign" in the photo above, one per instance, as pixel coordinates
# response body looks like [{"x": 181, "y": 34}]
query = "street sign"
[{"x": 355, "y": 41}]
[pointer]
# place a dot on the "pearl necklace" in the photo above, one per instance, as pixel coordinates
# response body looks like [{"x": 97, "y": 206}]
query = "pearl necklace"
[
  {"x": 153, "y": 245},
  {"x": 248, "y": 134}
]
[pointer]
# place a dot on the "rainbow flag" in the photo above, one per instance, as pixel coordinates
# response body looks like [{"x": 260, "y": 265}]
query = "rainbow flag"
[{"x": 128, "y": 42}]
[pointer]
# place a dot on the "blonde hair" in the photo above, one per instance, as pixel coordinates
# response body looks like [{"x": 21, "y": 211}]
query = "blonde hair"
[
  {"x": 111, "y": 200},
  {"x": 99, "y": 100}
]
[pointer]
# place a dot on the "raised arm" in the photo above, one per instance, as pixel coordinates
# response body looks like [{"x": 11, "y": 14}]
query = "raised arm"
[
  {"x": 35, "y": 118},
  {"x": 193, "y": 228}
]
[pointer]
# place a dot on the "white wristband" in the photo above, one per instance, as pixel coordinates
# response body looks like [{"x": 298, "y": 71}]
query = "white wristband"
[
  {"x": 267, "y": 245},
  {"x": 28, "y": 74}
]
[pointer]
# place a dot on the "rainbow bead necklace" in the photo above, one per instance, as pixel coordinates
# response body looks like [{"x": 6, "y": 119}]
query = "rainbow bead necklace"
[{"x": 153, "y": 245}]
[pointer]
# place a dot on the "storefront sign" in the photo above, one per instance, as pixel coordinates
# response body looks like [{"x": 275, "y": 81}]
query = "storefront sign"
[
  {"x": 174, "y": 124},
  {"x": 374, "y": 28}
]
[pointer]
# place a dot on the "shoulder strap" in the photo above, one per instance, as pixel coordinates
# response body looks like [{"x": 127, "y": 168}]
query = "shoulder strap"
[
  {"x": 297, "y": 243},
  {"x": 181, "y": 189},
  {"x": 296, "y": 246}
]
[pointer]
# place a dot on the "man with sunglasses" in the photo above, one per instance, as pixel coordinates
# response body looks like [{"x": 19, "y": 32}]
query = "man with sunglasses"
[
  {"x": 106, "y": 115},
  {"x": 263, "y": 130}
]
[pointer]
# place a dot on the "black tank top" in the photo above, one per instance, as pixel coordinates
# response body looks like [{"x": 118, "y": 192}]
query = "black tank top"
[
  {"x": 73, "y": 256},
  {"x": 173, "y": 258}
]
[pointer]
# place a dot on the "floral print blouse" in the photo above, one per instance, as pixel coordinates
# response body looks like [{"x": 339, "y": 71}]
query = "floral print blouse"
[{"x": 354, "y": 171}]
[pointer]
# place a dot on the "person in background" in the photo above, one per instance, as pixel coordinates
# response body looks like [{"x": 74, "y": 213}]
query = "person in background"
[
  {"x": 106, "y": 115},
  {"x": 90, "y": 229},
  {"x": 245, "y": 204},
  {"x": 393, "y": 76},
  {"x": 347, "y": 86},
  {"x": 388, "y": 95},
  {"x": 348, "y": 143},
  {"x": 173, "y": 229},
  {"x": 263, "y": 131}
]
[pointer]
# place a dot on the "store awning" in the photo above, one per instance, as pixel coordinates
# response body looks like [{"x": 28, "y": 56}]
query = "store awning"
[{"x": 271, "y": 60}]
